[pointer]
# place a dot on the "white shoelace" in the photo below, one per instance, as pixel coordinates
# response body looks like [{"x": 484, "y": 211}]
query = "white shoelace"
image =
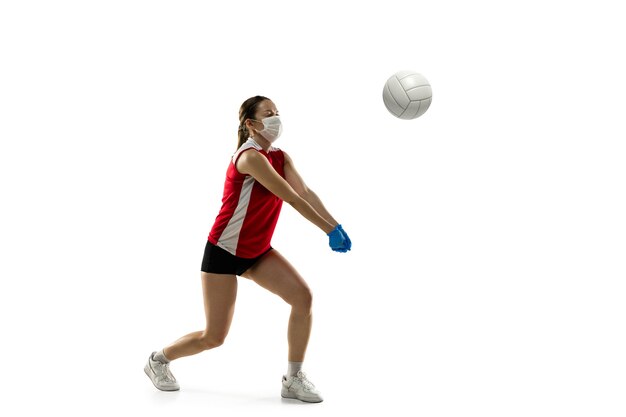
[
  {"x": 165, "y": 371},
  {"x": 170, "y": 376},
  {"x": 301, "y": 376}
]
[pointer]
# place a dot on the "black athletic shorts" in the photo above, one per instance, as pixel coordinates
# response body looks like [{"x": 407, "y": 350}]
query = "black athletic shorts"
[{"x": 219, "y": 261}]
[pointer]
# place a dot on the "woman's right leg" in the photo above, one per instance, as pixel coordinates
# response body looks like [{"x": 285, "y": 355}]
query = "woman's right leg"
[{"x": 220, "y": 293}]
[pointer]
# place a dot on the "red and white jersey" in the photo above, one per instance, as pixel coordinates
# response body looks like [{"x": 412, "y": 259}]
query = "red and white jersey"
[{"x": 249, "y": 213}]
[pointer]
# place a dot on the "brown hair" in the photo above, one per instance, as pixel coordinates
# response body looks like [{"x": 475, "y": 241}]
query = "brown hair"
[{"x": 247, "y": 111}]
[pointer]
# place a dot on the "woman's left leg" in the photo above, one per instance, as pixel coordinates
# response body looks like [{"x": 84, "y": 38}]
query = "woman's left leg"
[{"x": 275, "y": 273}]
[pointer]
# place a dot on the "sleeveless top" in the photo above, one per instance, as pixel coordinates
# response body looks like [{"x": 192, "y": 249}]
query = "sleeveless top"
[{"x": 246, "y": 222}]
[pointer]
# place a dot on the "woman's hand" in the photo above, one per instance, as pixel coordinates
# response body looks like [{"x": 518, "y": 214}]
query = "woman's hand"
[
  {"x": 338, "y": 241},
  {"x": 345, "y": 235}
]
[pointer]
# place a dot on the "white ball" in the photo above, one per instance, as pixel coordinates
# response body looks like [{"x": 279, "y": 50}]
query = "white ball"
[{"x": 407, "y": 94}]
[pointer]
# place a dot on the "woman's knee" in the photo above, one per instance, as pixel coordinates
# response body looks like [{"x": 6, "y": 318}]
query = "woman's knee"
[
  {"x": 302, "y": 301},
  {"x": 212, "y": 340}
]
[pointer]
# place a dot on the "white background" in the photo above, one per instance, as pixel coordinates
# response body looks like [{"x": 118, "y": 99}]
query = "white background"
[{"x": 486, "y": 276}]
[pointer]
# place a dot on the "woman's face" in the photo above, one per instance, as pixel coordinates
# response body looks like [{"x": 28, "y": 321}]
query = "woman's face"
[{"x": 266, "y": 108}]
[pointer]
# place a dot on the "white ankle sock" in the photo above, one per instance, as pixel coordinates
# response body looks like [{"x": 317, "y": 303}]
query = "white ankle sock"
[
  {"x": 160, "y": 356},
  {"x": 293, "y": 368}
]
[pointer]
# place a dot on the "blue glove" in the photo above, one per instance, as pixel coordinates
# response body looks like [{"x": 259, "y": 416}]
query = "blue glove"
[
  {"x": 345, "y": 235},
  {"x": 337, "y": 240}
]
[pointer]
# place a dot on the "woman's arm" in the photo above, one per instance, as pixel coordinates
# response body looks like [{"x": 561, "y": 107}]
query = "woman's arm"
[
  {"x": 256, "y": 165},
  {"x": 296, "y": 182}
]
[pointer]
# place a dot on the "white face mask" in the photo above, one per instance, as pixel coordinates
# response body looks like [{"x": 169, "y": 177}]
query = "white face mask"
[{"x": 272, "y": 128}]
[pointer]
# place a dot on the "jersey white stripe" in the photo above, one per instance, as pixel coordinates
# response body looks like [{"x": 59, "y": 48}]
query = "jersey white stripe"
[{"x": 230, "y": 236}]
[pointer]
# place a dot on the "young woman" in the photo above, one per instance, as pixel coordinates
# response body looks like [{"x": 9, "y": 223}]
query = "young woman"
[{"x": 258, "y": 179}]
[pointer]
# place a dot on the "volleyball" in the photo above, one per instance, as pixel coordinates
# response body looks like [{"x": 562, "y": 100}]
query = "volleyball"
[{"x": 407, "y": 95}]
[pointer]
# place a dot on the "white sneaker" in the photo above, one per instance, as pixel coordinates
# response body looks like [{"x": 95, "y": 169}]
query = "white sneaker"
[
  {"x": 160, "y": 375},
  {"x": 300, "y": 388}
]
